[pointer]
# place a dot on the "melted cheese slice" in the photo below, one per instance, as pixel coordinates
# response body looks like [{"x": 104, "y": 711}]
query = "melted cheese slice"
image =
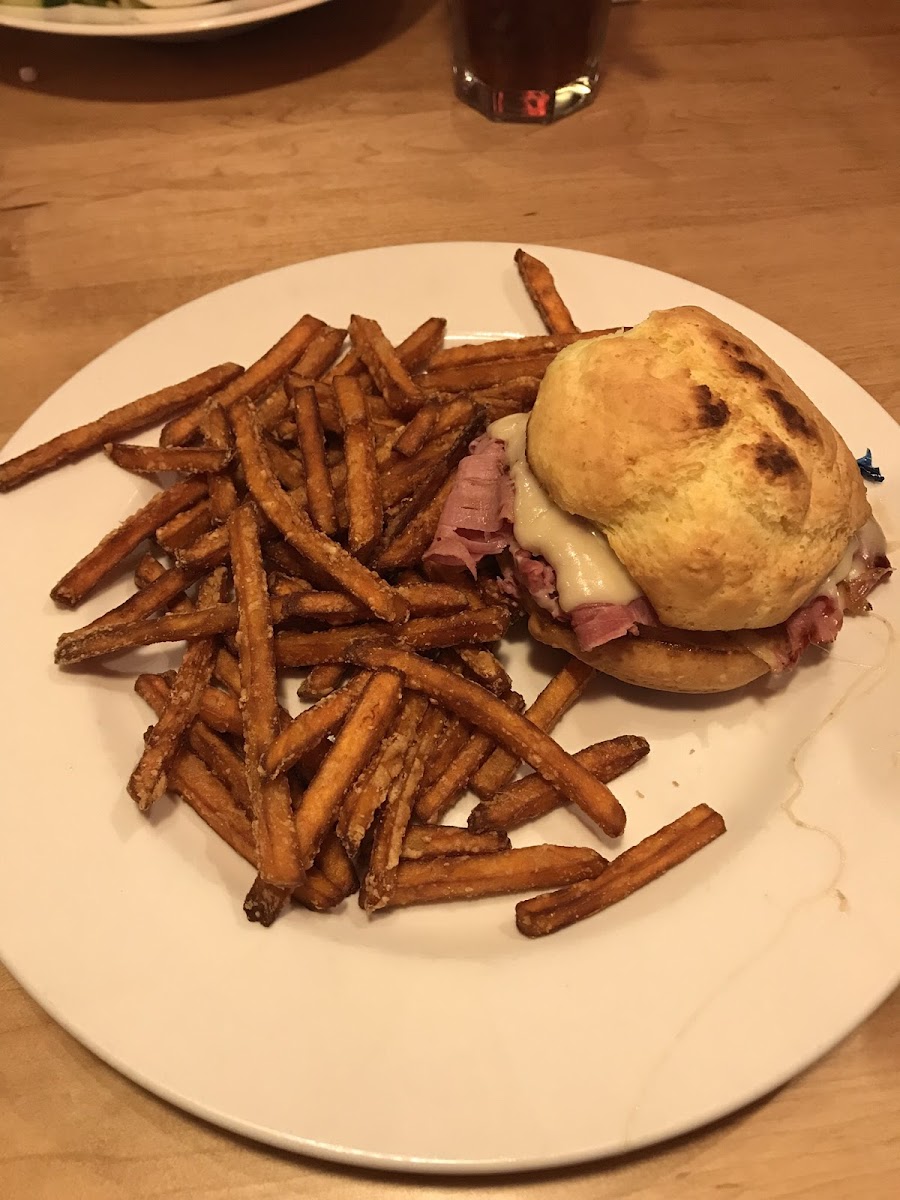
[
  {"x": 864, "y": 547},
  {"x": 587, "y": 571}
]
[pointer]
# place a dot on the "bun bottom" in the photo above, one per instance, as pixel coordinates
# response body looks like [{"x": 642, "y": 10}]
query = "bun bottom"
[{"x": 697, "y": 664}]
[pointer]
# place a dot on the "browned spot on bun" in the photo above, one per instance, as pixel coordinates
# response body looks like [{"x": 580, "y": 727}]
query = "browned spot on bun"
[
  {"x": 713, "y": 411},
  {"x": 749, "y": 368},
  {"x": 791, "y": 416},
  {"x": 734, "y": 347},
  {"x": 774, "y": 459}
]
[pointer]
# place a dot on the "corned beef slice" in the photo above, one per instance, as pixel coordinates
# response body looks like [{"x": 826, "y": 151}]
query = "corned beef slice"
[
  {"x": 596, "y": 624},
  {"x": 477, "y": 518},
  {"x": 477, "y": 522}
]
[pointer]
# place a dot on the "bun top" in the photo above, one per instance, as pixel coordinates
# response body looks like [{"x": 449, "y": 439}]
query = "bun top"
[{"x": 721, "y": 488}]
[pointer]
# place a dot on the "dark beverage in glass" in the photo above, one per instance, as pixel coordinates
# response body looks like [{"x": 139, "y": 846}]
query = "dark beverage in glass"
[{"x": 527, "y": 60}]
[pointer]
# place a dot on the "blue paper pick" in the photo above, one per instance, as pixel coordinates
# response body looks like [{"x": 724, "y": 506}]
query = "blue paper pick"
[{"x": 867, "y": 470}]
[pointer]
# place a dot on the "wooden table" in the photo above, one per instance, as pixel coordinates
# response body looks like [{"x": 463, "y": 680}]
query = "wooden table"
[{"x": 751, "y": 146}]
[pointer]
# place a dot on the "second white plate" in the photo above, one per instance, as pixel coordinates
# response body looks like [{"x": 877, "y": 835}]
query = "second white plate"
[{"x": 179, "y": 23}]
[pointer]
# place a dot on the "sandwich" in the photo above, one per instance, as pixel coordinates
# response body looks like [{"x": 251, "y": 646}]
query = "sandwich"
[{"x": 673, "y": 510}]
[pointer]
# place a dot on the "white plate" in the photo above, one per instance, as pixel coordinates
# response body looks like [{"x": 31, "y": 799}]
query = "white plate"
[
  {"x": 165, "y": 21},
  {"x": 438, "y": 1038}
]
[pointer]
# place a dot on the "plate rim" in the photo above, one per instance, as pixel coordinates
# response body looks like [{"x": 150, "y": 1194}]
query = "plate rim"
[{"x": 171, "y": 27}]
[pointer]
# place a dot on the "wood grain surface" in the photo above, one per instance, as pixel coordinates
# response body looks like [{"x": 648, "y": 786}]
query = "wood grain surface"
[{"x": 749, "y": 145}]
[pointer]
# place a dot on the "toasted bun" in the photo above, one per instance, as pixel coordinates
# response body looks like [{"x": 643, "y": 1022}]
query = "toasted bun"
[
  {"x": 711, "y": 663},
  {"x": 722, "y": 489}
]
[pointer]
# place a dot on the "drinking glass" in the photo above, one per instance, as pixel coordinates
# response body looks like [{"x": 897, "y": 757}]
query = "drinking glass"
[{"x": 527, "y": 60}]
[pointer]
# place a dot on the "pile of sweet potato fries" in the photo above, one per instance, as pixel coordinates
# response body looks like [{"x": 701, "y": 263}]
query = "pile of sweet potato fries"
[{"x": 309, "y": 486}]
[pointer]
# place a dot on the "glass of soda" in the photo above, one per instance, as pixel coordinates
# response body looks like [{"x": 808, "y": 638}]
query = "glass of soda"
[{"x": 527, "y": 60}]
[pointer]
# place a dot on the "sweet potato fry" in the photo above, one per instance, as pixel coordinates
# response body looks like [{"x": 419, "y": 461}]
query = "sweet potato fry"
[
  {"x": 477, "y": 706},
  {"x": 265, "y": 902},
  {"x": 311, "y": 726},
  {"x": 273, "y": 830},
  {"x": 436, "y": 799},
  {"x": 320, "y": 354},
  {"x": 384, "y": 365},
  {"x": 514, "y": 396},
  {"x": 472, "y": 377},
  {"x": 436, "y": 841},
  {"x": 505, "y": 348},
  {"x": 319, "y": 893},
  {"x": 148, "y": 779},
  {"x": 532, "y": 797},
  {"x": 544, "y": 296},
  {"x": 394, "y": 815},
  {"x": 216, "y": 753},
  {"x": 420, "y": 633},
  {"x": 121, "y": 422},
  {"x": 287, "y": 585},
  {"x": 321, "y": 681},
  {"x": 216, "y": 430},
  {"x": 147, "y": 570},
  {"x": 335, "y": 864},
  {"x": 551, "y": 705},
  {"x": 213, "y": 802},
  {"x": 107, "y": 555},
  {"x": 350, "y": 365},
  {"x": 323, "y": 553},
  {"x": 98, "y": 640},
  {"x": 429, "y": 734},
  {"x": 408, "y": 547},
  {"x": 252, "y": 383},
  {"x": 328, "y": 410},
  {"x": 275, "y": 410},
  {"x": 633, "y": 869},
  {"x": 183, "y": 604},
  {"x": 228, "y": 672},
  {"x": 286, "y": 559},
  {"x": 436, "y": 602},
  {"x": 373, "y": 784},
  {"x": 361, "y": 732},
  {"x": 414, "y": 351},
  {"x": 185, "y": 527},
  {"x": 223, "y": 497},
  {"x": 157, "y": 593},
  {"x": 210, "y": 548},
  {"x": 455, "y": 412},
  {"x": 476, "y": 876},
  {"x": 363, "y": 495},
  {"x": 455, "y": 735},
  {"x": 311, "y": 440},
  {"x": 399, "y": 476},
  {"x": 224, "y": 762},
  {"x": 221, "y": 711},
  {"x": 427, "y": 599},
  {"x": 290, "y": 471},
  {"x": 416, "y": 432},
  {"x": 315, "y": 891},
  {"x": 153, "y": 460},
  {"x": 485, "y": 668}
]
